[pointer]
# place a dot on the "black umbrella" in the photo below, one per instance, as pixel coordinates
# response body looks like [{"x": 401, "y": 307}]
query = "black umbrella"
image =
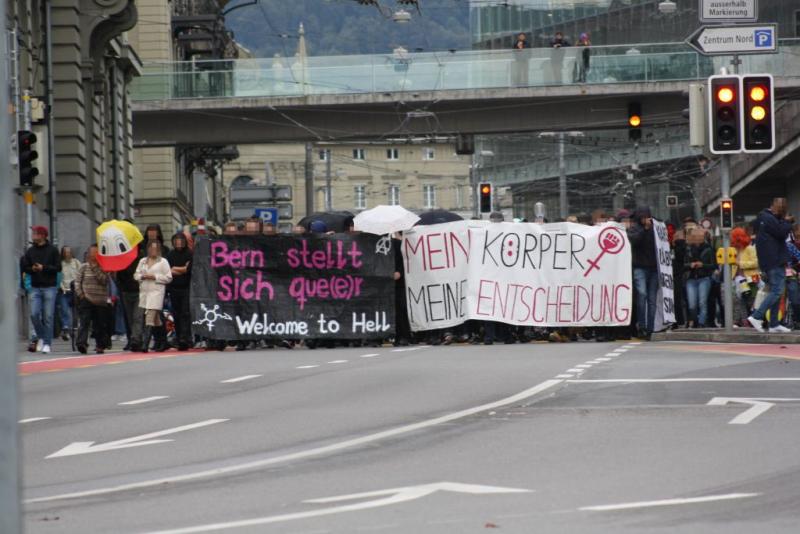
[
  {"x": 337, "y": 221},
  {"x": 426, "y": 218}
]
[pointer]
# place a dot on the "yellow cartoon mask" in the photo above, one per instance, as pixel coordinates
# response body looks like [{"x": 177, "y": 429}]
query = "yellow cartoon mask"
[{"x": 117, "y": 245}]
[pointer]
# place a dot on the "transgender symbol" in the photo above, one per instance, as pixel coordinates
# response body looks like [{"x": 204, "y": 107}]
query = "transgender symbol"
[
  {"x": 611, "y": 241},
  {"x": 211, "y": 316}
]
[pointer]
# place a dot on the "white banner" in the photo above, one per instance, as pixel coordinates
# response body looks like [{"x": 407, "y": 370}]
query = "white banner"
[
  {"x": 665, "y": 301},
  {"x": 560, "y": 274}
]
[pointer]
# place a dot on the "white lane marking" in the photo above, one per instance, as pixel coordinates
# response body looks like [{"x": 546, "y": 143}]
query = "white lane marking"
[
  {"x": 603, "y": 359},
  {"x": 142, "y": 401},
  {"x": 86, "y": 447},
  {"x": 338, "y": 361},
  {"x": 309, "y": 453},
  {"x": 575, "y": 370},
  {"x": 369, "y": 355},
  {"x": 634, "y": 343},
  {"x": 667, "y": 380},
  {"x": 594, "y": 362},
  {"x": 668, "y": 502},
  {"x": 757, "y": 407},
  {"x": 306, "y": 366},
  {"x": 385, "y": 498},
  {"x": 33, "y": 420},
  {"x": 409, "y": 349},
  {"x": 620, "y": 351},
  {"x": 612, "y": 355},
  {"x": 240, "y": 379},
  {"x": 629, "y": 346},
  {"x": 584, "y": 366},
  {"x": 564, "y": 376}
]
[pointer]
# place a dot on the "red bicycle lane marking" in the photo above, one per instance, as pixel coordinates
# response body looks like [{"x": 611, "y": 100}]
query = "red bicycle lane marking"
[{"x": 80, "y": 362}]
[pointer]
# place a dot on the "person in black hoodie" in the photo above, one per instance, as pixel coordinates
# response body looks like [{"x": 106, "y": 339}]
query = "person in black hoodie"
[
  {"x": 699, "y": 264},
  {"x": 42, "y": 263},
  {"x": 129, "y": 288},
  {"x": 180, "y": 260},
  {"x": 645, "y": 269}
]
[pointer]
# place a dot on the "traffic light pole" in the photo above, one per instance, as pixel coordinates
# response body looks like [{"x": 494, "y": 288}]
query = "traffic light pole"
[
  {"x": 563, "y": 207},
  {"x": 727, "y": 289},
  {"x": 473, "y": 182},
  {"x": 9, "y": 460}
]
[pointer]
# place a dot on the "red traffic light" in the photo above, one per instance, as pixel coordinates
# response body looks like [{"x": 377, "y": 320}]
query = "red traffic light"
[
  {"x": 758, "y": 93},
  {"x": 726, "y": 94}
]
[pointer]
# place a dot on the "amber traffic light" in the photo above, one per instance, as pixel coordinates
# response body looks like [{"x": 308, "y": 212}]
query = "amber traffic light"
[
  {"x": 485, "y": 194},
  {"x": 634, "y": 121},
  {"x": 726, "y": 214}
]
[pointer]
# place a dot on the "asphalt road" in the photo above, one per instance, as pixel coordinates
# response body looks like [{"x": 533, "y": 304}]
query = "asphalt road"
[{"x": 577, "y": 437}]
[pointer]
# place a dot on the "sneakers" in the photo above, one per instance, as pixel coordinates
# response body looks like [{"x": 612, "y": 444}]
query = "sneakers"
[
  {"x": 45, "y": 349},
  {"x": 780, "y": 329},
  {"x": 39, "y": 346},
  {"x": 756, "y": 323},
  {"x": 32, "y": 346}
]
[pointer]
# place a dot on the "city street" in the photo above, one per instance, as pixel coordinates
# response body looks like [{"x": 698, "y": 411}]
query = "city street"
[{"x": 578, "y": 437}]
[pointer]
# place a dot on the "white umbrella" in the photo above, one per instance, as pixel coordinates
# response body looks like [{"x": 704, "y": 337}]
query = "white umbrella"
[{"x": 382, "y": 220}]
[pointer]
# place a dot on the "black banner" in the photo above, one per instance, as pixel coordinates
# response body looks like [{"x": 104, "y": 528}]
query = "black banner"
[{"x": 288, "y": 287}]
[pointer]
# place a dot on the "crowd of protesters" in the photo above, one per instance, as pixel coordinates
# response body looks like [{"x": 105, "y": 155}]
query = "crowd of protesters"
[{"x": 151, "y": 296}]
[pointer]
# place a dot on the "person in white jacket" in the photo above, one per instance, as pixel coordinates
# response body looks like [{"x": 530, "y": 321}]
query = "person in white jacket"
[{"x": 153, "y": 274}]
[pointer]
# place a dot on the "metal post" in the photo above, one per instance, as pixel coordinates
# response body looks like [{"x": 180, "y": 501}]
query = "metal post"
[
  {"x": 328, "y": 191},
  {"x": 27, "y": 192},
  {"x": 563, "y": 206},
  {"x": 473, "y": 184},
  {"x": 725, "y": 192},
  {"x": 309, "y": 178},
  {"x": 9, "y": 460},
  {"x": 51, "y": 144}
]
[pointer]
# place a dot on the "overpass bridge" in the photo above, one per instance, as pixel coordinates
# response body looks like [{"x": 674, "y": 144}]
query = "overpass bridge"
[{"x": 373, "y": 97}]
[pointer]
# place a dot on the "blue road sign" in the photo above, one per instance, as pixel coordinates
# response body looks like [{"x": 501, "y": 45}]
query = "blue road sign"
[{"x": 268, "y": 215}]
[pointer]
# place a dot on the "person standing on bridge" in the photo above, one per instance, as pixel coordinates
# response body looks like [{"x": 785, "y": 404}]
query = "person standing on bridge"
[
  {"x": 558, "y": 43},
  {"x": 582, "y": 64},
  {"x": 519, "y": 72},
  {"x": 773, "y": 227}
]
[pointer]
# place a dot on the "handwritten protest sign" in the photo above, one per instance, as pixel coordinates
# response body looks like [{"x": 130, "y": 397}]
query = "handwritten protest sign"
[
  {"x": 253, "y": 287},
  {"x": 665, "y": 300},
  {"x": 560, "y": 274}
]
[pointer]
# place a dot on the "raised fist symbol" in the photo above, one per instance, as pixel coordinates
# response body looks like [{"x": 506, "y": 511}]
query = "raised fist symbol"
[{"x": 610, "y": 241}]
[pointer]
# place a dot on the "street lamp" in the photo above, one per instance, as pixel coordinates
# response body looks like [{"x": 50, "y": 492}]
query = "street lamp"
[{"x": 563, "y": 205}]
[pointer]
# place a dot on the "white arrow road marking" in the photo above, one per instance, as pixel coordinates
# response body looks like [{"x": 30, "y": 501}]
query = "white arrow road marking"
[
  {"x": 86, "y": 447},
  {"x": 667, "y": 502},
  {"x": 758, "y": 406},
  {"x": 142, "y": 401},
  {"x": 388, "y": 497},
  {"x": 308, "y": 453}
]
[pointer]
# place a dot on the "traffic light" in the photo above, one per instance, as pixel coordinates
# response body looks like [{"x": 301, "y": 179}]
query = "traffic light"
[
  {"x": 634, "y": 121},
  {"x": 26, "y": 142},
  {"x": 724, "y": 114},
  {"x": 485, "y": 193},
  {"x": 726, "y": 214},
  {"x": 759, "y": 123}
]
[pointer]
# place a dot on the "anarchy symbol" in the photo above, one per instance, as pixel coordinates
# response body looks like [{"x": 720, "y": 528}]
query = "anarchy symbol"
[{"x": 384, "y": 245}]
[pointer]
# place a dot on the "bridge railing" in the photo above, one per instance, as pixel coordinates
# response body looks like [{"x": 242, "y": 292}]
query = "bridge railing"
[{"x": 448, "y": 70}]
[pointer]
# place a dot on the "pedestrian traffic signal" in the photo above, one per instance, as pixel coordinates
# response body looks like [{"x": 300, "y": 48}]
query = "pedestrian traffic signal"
[
  {"x": 724, "y": 110},
  {"x": 726, "y": 214},
  {"x": 634, "y": 121},
  {"x": 26, "y": 142},
  {"x": 485, "y": 193},
  {"x": 759, "y": 123}
]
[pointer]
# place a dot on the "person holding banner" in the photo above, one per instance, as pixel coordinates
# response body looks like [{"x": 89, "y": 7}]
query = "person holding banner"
[
  {"x": 153, "y": 274},
  {"x": 645, "y": 269}
]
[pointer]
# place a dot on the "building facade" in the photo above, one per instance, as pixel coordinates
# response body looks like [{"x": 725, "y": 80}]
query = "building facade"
[{"x": 70, "y": 65}]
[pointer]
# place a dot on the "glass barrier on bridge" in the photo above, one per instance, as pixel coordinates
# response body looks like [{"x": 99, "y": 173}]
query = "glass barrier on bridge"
[{"x": 448, "y": 70}]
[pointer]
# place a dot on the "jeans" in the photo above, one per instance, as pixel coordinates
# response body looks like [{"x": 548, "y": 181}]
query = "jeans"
[
  {"x": 697, "y": 290},
  {"x": 64, "y": 307},
  {"x": 776, "y": 278},
  {"x": 645, "y": 282},
  {"x": 793, "y": 290},
  {"x": 134, "y": 319},
  {"x": 43, "y": 309}
]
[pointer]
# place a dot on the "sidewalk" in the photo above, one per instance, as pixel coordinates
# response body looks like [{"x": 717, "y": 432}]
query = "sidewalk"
[
  {"x": 60, "y": 348},
  {"x": 718, "y": 335}
]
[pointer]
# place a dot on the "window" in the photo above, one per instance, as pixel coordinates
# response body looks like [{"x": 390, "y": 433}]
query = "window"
[
  {"x": 392, "y": 154},
  {"x": 459, "y": 196},
  {"x": 429, "y": 196},
  {"x": 358, "y": 153},
  {"x": 428, "y": 154},
  {"x": 323, "y": 155},
  {"x": 394, "y": 195},
  {"x": 360, "y": 197}
]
